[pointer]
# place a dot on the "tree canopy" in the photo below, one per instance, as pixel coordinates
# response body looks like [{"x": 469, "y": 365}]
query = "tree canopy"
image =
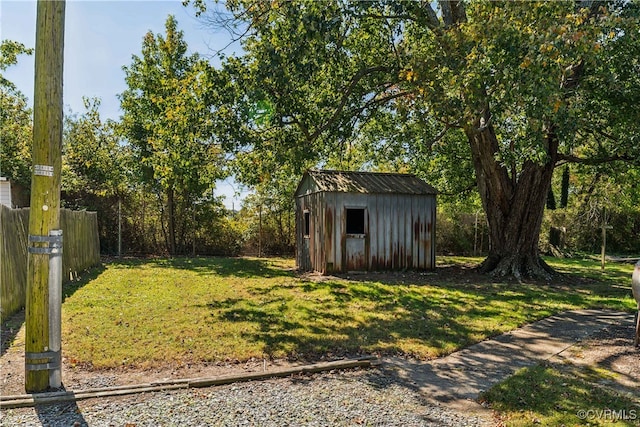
[
  {"x": 168, "y": 123},
  {"x": 501, "y": 92},
  {"x": 94, "y": 161},
  {"x": 478, "y": 97}
]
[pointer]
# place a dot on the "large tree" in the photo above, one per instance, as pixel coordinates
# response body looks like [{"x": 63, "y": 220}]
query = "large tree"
[
  {"x": 527, "y": 86},
  {"x": 168, "y": 123}
]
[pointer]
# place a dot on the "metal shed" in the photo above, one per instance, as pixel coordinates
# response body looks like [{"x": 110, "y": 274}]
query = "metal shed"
[{"x": 359, "y": 221}]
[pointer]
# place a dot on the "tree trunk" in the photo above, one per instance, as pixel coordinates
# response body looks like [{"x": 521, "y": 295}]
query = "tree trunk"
[
  {"x": 514, "y": 205},
  {"x": 171, "y": 220},
  {"x": 564, "y": 189}
]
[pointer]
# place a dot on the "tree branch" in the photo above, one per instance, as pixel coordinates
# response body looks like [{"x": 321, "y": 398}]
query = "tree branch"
[
  {"x": 570, "y": 158},
  {"x": 467, "y": 189},
  {"x": 606, "y": 135},
  {"x": 230, "y": 21},
  {"x": 381, "y": 100},
  {"x": 422, "y": 12},
  {"x": 430, "y": 14},
  {"x": 405, "y": 16},
  {"x": 453, "y": 12},
  {"x": 345, "y": 97}
]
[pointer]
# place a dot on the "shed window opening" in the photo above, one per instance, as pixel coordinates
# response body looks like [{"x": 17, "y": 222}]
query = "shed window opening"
[
  {"x": 355, "y": 221},
  {"x": 307, "y": 225}
]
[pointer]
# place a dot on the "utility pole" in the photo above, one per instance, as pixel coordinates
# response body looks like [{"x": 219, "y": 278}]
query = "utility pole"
[{"x": 44, "y": 274}]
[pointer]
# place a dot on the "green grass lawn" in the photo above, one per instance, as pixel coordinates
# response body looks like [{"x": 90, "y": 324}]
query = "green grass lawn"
[
  {"x": 140, "y": 313},
  {"x": 548, "y": 395}
]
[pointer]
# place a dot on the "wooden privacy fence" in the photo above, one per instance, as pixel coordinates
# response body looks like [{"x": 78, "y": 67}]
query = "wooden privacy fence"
[
  {"x": 81, "y": 250},
  {"x": 81, "y": 244},
  {"x": 14, "y": 231}
]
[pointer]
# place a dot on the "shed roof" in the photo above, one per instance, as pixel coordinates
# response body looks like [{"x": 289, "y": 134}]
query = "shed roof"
[{"x": 367, "y": 182}]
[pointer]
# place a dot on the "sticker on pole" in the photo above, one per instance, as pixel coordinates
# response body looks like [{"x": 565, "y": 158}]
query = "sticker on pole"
[{"x": 43, "y": 170}]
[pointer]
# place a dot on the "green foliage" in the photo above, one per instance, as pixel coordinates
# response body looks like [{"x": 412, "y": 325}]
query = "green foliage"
[
  {"x": 15, "y": 137},
  {"x": 269, "y": 217},
  {"x": 215, "y": 231},
  {"x": 461, "y": 231},
  {"x": 289, "y": 81},
  {"x": 9, "y": 52},
  {"x": 168, "y": 123},
  {"x": 15, "y": 121},
  {"x": 94, "y": 159},
  {"x": 166, "y": 118},
  {"x": 333, "y": 67},
  {"x": 224, "y": 236},
  {"x": 95, "y": 172},
  {"x": 609, "y": 190},
  {"x": 155, "y": 170}
]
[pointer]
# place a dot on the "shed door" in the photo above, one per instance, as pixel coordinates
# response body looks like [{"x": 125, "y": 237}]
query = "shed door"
[
  {"x": 305, "y": 253},
  {"x": 355, "y": 247}
]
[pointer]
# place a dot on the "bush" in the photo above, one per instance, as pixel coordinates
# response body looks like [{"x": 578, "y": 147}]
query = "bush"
[
  {"x": 584, "y": 232},
  {"x": 461, "y": 233}
]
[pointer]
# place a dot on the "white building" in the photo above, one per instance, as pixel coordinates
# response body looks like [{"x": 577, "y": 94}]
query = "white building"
[{"x": 5, "y": 192}]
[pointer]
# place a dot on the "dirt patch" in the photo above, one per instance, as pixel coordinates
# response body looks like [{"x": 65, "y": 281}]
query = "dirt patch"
[
  {"x": 612, "y": 353},
  {"x": 462, "y": 275},
  {"x": 445, "y": 273}
]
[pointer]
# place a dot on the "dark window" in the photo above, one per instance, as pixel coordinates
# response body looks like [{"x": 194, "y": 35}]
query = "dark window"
[
  {"x": 307, "y": 225},
  {"x": 355, "y": 221}
]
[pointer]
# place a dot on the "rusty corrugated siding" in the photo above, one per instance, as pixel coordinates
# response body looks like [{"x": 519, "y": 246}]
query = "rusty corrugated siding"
[{"x": 399, "y": 214}]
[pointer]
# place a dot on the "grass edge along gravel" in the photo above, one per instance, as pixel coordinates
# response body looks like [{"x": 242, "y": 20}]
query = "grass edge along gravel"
[
  {"x": 145, "y": 313},
  {"x": 549, "y": 395}
]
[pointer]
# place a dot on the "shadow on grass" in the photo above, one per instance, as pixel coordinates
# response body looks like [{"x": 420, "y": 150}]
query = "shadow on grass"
[
  {"x": 555, "y": 397},
  {"x": 11, "y": 326},
  {"x": 9, "y": 329},
  {"x": 270, "y": 311},
  {"x": 329, "y": 327},
  {"x": 225, "y": 267},
  {"x": 69, "y": 288},
  {"x": 443, "y": 312}
]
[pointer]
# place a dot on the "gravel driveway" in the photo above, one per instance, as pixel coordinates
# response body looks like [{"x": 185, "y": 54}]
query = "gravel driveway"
[{"x": 366, "y": 397}]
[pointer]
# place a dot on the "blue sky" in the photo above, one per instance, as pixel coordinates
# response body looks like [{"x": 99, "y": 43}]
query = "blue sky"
[{"x": 100, "y": 38}]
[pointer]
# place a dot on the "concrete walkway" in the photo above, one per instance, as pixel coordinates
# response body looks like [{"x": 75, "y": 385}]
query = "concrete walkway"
[{"x": 457, "y": 380}]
